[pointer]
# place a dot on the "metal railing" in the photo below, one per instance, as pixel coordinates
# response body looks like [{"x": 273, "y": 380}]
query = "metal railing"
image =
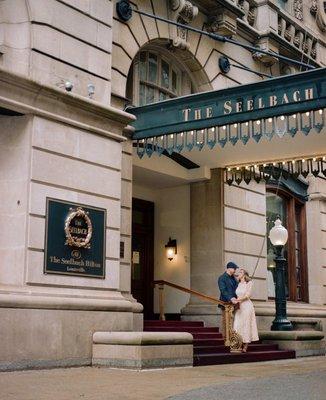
[{"x": 231, "y": 338}]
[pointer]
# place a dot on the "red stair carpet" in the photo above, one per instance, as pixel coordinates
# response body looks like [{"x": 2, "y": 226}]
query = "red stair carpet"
[{"x": 209, "y": 346}]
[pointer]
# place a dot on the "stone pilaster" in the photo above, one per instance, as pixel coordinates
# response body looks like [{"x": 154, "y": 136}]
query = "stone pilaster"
[
  {"x": 316, "y": 239},
  {"x": 206, "y": 237}
]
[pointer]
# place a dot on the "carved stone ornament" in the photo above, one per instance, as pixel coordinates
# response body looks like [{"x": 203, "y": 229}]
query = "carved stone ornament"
[
  {"x": 249, "y": 12},
  {"x": 78, "y": 236},
  {"x": 252, "y": 16},
  {"x": 314, "y": 7},
  {"x": 316, "y": 10},
  {"x": 222, "y": 24},
  {"x": 267, "y": 59},
  {"x": 298, "y": 9},
  {"x": 184, "y": 13},
  {"x": 185, "y": 10}
]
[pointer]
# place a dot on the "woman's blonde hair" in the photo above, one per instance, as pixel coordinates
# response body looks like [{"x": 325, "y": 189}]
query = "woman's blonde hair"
[{"x": 246, "y": 275}]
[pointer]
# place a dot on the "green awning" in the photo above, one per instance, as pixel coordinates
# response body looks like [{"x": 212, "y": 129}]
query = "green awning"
[{"x": 278, "y": 106}]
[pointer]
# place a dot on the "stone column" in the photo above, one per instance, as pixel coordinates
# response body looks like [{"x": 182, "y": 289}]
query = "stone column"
[
  {"x": 316, "y": 237},
  {"x": 206, "y": 238}
]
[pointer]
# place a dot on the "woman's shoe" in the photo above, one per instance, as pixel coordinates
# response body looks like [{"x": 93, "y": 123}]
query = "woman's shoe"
[{"x": 244, "y": 349}]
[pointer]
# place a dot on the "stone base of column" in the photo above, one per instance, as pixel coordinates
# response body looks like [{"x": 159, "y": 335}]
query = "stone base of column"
[
  {"x": 46, "y": 331},
  {"x": 142, "y": 350},
  {"x": 304, "y": 343}
]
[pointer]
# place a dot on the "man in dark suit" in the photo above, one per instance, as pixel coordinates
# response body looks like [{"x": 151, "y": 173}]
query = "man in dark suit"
[{"x": 228, "y": 284}]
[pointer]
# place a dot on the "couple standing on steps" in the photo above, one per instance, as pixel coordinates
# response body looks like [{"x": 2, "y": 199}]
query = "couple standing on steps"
[{"x": 236, "y": 286}]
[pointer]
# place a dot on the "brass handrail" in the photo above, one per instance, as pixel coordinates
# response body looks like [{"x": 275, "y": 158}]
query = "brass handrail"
[
  {"x": 194, "y": 292},
  {"x": 231, "y": 338}
]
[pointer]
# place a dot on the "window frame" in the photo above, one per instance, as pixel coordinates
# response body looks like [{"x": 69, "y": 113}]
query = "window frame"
[
  {"x": 292, "y": 205},
  {"x": 155, "y": 85}
]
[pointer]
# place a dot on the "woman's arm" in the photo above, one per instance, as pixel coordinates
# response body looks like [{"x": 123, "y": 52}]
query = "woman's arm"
[{"x": 247, "y": 295}]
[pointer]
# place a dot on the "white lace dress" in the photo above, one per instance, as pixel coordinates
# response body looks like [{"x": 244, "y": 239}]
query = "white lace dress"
[{"x": 245, "y": 319}]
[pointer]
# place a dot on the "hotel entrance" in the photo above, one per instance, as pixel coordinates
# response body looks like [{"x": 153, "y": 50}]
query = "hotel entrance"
[{"x": 142, "y": 271}]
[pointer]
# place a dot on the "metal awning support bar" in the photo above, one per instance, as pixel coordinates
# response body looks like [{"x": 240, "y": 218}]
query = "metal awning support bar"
[
  {"x": 225, "y": 39},
  {"x": 251, "y": 70}
]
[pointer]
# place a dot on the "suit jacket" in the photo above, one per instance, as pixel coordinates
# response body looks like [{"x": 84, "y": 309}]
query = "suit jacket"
[{"x": 227, "y": 285}]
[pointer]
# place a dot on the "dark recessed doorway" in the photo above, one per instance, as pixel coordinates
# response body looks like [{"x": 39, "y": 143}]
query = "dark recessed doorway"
[{"x": 142, "y": 267}]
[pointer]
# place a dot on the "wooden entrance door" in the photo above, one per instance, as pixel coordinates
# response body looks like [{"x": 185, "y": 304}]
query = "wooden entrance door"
[{"x": 142, "y": 271}]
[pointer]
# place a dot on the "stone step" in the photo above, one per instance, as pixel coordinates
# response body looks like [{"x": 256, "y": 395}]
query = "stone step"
[
  {"x": 190, "y": 329},
  {"x": 208, "y": 342},
  {"x": 224, "y": 349},
  {"x": 206, "y": 335},
  {"x": 230, "y": 358},
  {"x": 174, "y": 323}
]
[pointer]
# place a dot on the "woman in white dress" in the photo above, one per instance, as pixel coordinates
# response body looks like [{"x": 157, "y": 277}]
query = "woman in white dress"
[{"x": 245, "y": 319}]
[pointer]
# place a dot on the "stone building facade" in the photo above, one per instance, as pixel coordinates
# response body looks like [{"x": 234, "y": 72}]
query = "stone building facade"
[{"x": 69, "y": 68}]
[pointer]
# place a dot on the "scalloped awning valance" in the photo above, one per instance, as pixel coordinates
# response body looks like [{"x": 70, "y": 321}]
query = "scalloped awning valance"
[{"x": 278, "y": 106}]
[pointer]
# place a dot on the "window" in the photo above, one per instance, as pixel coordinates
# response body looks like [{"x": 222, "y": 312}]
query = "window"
[
  {"x": 155, "y": 78},
  {"x": 291, "y": 211}
]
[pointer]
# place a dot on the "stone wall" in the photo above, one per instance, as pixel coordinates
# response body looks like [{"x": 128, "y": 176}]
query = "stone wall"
[
  {"x": 66, "y": 147},
  {"x": 245, "y": 230},
  {"x": 54, "y": 41}
]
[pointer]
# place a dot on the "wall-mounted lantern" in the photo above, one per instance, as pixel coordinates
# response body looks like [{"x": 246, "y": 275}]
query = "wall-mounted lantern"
[{"x": 171, "y": 249}]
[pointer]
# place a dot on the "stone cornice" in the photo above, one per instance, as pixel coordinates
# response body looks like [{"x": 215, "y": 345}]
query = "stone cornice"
[
  {"x": 317, "y": 197},
  {"x": 294, "y": 309},
  {"x": 289, "y": 47},
  {"x": 300, "y": 25},
  {"x": 19, "y": 300},
  {"x": 27, "y": 96},
  {"x": 318, "y": 35},
  {"x": 210, "y": 6}
]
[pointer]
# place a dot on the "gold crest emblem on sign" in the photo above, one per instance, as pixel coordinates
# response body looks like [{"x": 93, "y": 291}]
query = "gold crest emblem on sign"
[{"x": 78, "y": 236}]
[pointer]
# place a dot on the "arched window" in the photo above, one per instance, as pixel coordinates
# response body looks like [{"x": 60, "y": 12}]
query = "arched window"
[
  {"x": 155, "y": 76},
  {"x": 291, "y": 209}
]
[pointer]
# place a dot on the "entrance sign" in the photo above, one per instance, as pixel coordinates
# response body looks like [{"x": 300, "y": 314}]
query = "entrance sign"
[
  {"x": 283, "y": 105},
  {"x": 75, "y": 239}
]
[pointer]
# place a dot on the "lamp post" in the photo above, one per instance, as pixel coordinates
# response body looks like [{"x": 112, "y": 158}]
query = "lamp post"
[{"x": 278, "y": 235}]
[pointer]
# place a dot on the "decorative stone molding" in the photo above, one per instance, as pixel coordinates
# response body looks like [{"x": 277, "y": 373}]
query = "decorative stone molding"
[
  {"x": 184, "y": 13},
  {"x": 298, "y": 37},
  {"x": 314, "y": 7},
  {"x": 314, "y": 51},
  {"x": 298, "y": 40},
  {"x": 224, "y": 23},
  {"x": 30, "y": 97},
  {"x": 10, "y": 300},
  {"x": 289, "y": 33},
  {"x": 266, "y": 59},
  {"x": 298, "y": 9},
  {"x": 317, "y": 197},
  {"x": 252, "y": 16},
  {"x": 221, "y": 25},
  {"x": 187, "y": 12},
  {"x": 288, "y": 69},
  {"x": 316, "y": 10},
  {"x": 249, "y": 12}
]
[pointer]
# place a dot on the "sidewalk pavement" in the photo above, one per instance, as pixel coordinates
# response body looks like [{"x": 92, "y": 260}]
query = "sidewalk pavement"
[{"x": 265, "y": 380}]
